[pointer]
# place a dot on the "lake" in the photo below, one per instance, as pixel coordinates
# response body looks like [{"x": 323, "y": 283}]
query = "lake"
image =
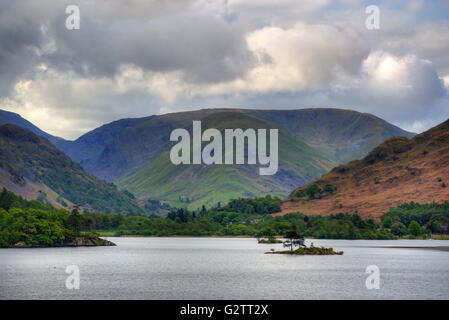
[{"x": 227, "y": 268}]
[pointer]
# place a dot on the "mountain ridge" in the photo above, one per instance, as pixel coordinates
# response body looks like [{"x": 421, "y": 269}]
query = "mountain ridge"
[
  {"x": 344, "y": 141},
  {"x": 8, "y": 117},
  {"x": 142, "y": 140}
]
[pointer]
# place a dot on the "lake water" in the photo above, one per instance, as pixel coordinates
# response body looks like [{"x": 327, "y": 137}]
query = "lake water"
[{"x": 227, "y": 268}]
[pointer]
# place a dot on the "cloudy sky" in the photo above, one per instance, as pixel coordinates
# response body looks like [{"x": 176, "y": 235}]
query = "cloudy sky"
[{"x": 142, "y": 57}]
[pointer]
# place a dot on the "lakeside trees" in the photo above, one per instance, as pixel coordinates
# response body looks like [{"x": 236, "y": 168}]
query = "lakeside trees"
[
  {"x": 217, "y": 222},
  {"x": 31, "y": 223},
  {"x": 36, "y": 223},
  {"x": 418, "y": 220},
  {"x": 234, "y": 220},
  {"x": 33, "y": 227}
]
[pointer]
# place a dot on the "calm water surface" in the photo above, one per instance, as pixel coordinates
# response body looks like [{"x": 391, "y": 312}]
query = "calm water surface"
[{"x": 223, "y": 268}]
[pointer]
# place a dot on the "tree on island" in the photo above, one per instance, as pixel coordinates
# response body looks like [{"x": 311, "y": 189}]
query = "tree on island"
[
  {"x": 74, "y": 220},
  {"x": 293, "y": 240}
]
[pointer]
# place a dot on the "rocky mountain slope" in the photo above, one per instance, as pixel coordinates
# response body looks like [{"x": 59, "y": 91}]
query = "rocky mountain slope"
[
  {"x": 33, "y": 168},
  {"x": 397, "y": 171}
]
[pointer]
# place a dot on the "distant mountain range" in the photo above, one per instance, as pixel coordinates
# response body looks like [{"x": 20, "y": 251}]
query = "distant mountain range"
[
  {"x": 344, "y": 135},
  {"x": 133, "y": 153},
  {"x": 399, "y": 170}
]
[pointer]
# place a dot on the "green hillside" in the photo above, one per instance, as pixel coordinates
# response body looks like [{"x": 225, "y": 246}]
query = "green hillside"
[
  {"x": 195, "y": 185},
  {"x": 29, "y": 162}
]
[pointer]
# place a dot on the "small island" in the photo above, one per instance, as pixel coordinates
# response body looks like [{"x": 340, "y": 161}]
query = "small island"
[
  {"x": 267, "y": 236},
  {"x": 309, "y": 251},
  {"x": 268, "y": 240},
  {"x": 296, "y": 240},
  {"x": 91, "y": 239}
]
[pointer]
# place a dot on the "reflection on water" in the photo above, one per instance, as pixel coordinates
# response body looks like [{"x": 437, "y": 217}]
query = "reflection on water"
[{"x": 224, "y": 268}]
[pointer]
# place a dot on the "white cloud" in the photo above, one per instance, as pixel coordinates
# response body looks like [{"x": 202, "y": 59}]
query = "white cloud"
[
  {"x": 68, "y": 105},
  {"x": 295, "y": 59},
  {"x": 397, "y": 88},
  {"x": 446, "y": 81}
]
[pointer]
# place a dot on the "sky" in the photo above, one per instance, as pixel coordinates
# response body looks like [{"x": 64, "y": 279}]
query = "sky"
[{"x": 142, "y": 57}]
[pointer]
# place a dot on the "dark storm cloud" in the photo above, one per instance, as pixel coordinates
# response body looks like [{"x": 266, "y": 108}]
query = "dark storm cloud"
[
  {"x": 20, "y": 40},
  {"x": 206, "y": 49},
  {"x": 152, "y": 35}
]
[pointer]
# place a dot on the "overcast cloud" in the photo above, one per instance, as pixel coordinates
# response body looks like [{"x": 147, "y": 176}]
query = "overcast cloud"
[{"x": 137, "y": 58}]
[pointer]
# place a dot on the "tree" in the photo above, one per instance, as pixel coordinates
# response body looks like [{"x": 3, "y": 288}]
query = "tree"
[
  {"x": 371, "y": 224},
  {"x": 300, "y": 194},
  {"x": 357, "y": 221},
  {"x": 87, "y": 223},
  {"x": 387, "y": 222},
  {"x": 414, "y": 228},
  {"x": 181, "y": 215},
  {"x": 74, "y": 221},
  {"x": 398, "y": 229},
  {"x": 293, "y": 240},
  {"x": 267, "y": 233},
  {"x": 328, "y": 188},
  {"x": 313, "y": 191}
]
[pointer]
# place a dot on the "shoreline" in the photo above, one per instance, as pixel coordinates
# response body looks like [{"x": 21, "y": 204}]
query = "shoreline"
[
  {"x": 107, "y": 243},
  {"x": 214, "y": 236},
  {"x": 251, "y": 237}
]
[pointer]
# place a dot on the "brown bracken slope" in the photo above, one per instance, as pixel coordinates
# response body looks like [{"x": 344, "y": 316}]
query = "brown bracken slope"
[{"x": 397, "y": 171}]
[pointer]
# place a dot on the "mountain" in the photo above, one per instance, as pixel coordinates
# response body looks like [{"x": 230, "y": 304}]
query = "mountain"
[
  {"x": 344, "y": 135},
  {"x": 196, "y": 185},
  {"x": 7, "y": 117},
  {"x": 115, "y": 149},
  {"x": 399, "y": 170},
  {"x": 135, "y": 152},
  {"x": 108, "y": 151},
  {"x": 33, "y": 168}
]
